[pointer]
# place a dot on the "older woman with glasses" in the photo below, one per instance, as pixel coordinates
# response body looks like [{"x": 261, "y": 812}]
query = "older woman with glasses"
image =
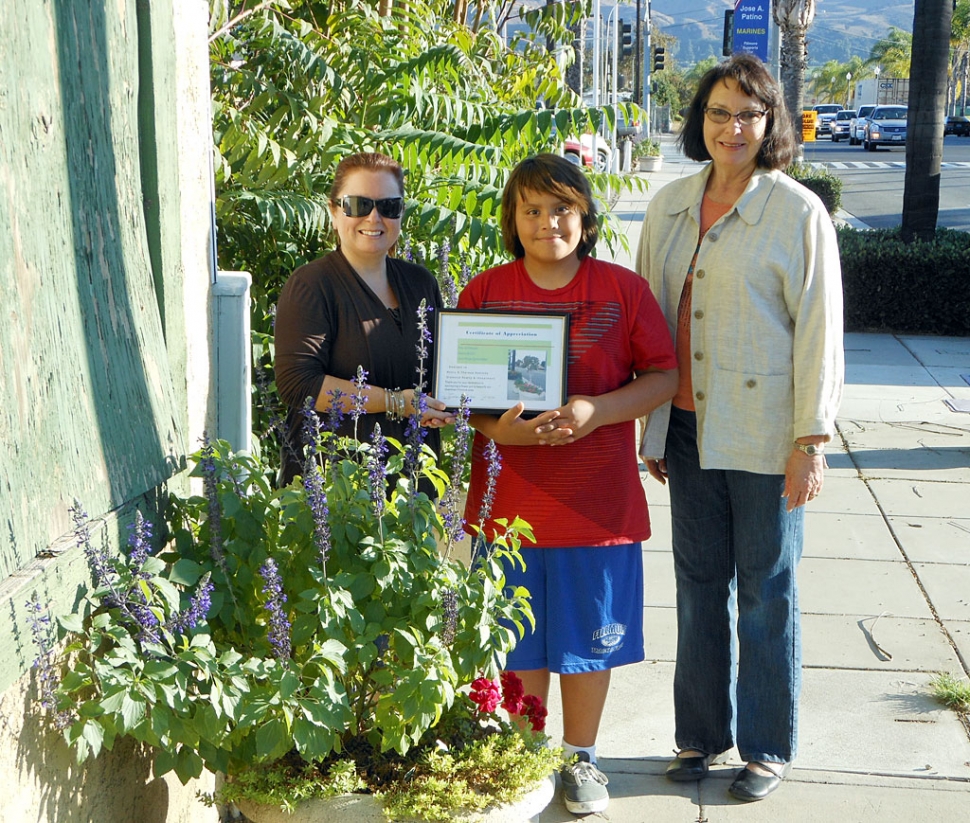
[
  {"x": 744, "y": 263},
  {"x": 356, "y": 306}
]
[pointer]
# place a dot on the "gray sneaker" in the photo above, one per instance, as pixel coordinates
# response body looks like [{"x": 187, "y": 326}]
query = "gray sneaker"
[{"x": 584, "y": 786}]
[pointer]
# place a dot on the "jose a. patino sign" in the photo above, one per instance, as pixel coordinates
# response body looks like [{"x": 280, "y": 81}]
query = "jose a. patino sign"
[{"x": 751, "y": 27}]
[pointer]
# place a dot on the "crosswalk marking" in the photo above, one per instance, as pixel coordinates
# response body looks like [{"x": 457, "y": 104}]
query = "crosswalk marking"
[{"x": 844, "y": 165}]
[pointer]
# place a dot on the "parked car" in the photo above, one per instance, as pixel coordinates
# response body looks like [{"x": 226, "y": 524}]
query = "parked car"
[
  {"x": 589, "y": 150},
  {"x": 824, "y": 117},
  {"x": 857, "y": 125},
  {"x": 840, "y": 126},
  {"x": 886, "y": 126},
  {"x": 957, "y": 124}
]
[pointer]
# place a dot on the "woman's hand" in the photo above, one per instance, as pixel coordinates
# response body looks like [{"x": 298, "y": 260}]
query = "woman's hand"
[
  {"x": 804, "y": 476},
  {"x": 436, "y": 414},
  {"x": 657, "y": 468}
]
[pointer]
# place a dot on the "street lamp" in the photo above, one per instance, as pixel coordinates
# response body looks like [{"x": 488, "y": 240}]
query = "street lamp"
[
  {"x": 876, "y": 70},
  {"x": 848, "y": 78}
]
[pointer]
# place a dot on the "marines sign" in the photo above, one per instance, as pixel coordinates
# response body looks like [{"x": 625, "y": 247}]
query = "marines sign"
[{"x": 751, "y": 27}]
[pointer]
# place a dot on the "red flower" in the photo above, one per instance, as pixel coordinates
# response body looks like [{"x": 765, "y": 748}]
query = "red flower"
[
  {"x": 512, "y": 693},
  {"x": 535, "y": 712},
  {"x": 485, "y": 694}
]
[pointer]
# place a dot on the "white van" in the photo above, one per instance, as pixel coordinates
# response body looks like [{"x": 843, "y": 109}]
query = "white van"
[{"x": 857, "y": 125}]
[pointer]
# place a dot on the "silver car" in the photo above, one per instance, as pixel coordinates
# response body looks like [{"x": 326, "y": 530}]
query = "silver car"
[
  {"x": 886, "y": 126},
  {"x": 840, "y": 126}
]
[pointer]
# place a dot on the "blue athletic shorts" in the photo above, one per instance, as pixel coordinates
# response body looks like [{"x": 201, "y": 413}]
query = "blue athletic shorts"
[{"x": 588, "y": 607}]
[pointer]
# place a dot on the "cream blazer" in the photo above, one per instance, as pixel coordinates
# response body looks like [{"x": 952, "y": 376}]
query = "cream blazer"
[{"x": 767, "y": 361}]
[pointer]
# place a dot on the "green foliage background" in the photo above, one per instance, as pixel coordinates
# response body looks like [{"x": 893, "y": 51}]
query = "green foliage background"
[
  {"x": 298, "y": 85},
  {"x": 905, "y": 288}
]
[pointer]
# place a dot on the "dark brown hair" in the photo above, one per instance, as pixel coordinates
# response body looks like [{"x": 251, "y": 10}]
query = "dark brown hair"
[
  {"x": 365, "y": 161},
  {"x": 779, "y": 146},
  {"x": 549, "y": 174}
]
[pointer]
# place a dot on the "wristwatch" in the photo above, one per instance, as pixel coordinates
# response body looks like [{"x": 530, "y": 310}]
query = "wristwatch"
[{"x": 811, "y": 449}]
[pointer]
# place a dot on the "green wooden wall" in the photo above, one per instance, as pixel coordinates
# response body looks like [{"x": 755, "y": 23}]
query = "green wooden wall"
[{"x": 92, "y": 340}]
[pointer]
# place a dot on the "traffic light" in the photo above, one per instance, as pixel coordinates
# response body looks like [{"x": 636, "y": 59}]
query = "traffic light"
[
  {"x": 658, "y": 58},
  {"x": 727, "y": 41},
  {"x": 626, "y": 39}
]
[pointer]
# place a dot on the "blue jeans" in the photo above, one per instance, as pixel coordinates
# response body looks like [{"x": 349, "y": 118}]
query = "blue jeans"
[{"x": 736, "y": 550}]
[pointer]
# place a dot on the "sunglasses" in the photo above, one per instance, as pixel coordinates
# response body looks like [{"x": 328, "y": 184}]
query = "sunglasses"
[{"x": 356, "y": 206}]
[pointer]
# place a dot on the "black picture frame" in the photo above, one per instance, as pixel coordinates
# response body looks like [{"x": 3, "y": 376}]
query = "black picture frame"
[{"x": 499, "y": 358}]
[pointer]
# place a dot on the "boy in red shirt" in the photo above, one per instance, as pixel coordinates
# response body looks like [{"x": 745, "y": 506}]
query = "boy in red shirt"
[{"x": 571, "y": 473}]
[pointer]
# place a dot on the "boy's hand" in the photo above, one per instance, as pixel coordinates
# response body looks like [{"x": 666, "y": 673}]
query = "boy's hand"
[
  {"x": 574, "y": 421},
  {"x": 512, "y": 430}
]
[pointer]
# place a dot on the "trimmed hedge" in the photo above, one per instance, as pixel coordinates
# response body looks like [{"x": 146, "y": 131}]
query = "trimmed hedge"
[
  {"x": 821, "y": 181},
  {"x": 910, "y": 288}
]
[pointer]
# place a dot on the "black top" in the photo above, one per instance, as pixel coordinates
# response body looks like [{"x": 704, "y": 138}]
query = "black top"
[{"x": 329, "y": 321}]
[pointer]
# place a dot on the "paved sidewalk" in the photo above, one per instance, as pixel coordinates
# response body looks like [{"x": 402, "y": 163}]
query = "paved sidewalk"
[{"x": 885, "y": 596}]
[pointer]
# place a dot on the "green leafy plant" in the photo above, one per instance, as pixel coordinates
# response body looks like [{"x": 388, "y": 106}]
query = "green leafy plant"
[
  {"x": 821, "y": 181},
  {"x": 305, "y": 626},
  {"x": 905, "y": 288},
  {"x": 647, "y": 147}
]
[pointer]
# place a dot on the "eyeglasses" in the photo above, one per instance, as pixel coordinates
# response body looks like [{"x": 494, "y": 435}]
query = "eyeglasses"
[
  {"x": 749, "y": 117},
  {"x": 356, "y": 206}
]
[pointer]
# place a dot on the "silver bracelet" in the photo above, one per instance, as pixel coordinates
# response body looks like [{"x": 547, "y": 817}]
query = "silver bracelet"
[{"x": 394, "y": 404}]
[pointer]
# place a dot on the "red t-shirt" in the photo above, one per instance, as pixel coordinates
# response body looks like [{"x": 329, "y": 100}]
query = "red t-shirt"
[{"x": 587, "y": 493}]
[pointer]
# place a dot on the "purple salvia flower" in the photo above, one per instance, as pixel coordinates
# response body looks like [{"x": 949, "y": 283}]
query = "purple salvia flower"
[
  {"x": 448, "y": 286},
  {"x": 210, "y": 483},
  {"x": 311, "y": 428},
  {"x": 450, "y": 290},
  {"x": 279, "y": 625},
  {"x": 407, "y": 253},
  {"x": 266, "y": 397},
  {"x": 316, "y": 496},
  {"x": 335, "y": 411},
  {"x": 424, "y": 341},
  {"x": 465, "y": 275},
  {"x": 198, "y": 607},
  {"x": 494, "y": 460},
  {"x": 145, "y": 618},
  {"x": 453, "y": 521},
  {"x": 139, "y": 537},
  {"x": 359, "y": 398},
  {"x": 415, "y": 435},
  {"x": 42, "y": 633},
  {"x": 313, "y": 483},
  {"x": 98, "y": 561},
  {"x": 139, "y": 545},
  {"x": 377, "y": 470},
  {"x": 449, "y": 606}
]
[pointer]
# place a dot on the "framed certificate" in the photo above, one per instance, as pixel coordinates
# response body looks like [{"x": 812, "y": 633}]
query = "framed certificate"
[{"x": 501, "y": 358}]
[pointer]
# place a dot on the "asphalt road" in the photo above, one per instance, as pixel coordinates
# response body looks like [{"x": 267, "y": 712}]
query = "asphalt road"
[{"x": 873, "y": 181}]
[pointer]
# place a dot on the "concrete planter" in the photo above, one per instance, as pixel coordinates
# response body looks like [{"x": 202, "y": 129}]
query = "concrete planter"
[
  {"x": 361, "y": 808},
  {"x": 652, "y": 162}
]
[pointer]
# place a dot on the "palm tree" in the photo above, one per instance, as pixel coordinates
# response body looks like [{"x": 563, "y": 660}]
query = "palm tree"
[
  {"x": 959, "y": 49},
  {"x": 793, "y": 18},
  {"x": 895, "y": 51},
  {"x": 924, "y": 148}
]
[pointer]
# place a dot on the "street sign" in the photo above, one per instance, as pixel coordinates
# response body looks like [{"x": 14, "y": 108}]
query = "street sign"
[
  {"x": 751, "y": 27},
  {"x": 808, "y": 126}
]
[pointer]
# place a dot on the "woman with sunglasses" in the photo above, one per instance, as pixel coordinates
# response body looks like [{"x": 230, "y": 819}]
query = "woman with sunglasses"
[
  {"x": 356, "y": 306},
  {"x": 743, "y": 261}
]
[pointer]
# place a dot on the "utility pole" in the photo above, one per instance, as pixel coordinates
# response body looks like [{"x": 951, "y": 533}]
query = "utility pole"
[
  {"x": 597, "y": 34},
  {"x": 645, "y": 58}
]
